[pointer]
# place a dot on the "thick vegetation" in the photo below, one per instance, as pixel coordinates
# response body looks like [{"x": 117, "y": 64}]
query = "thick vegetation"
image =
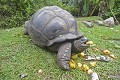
[{"x": 13, "y": 13}]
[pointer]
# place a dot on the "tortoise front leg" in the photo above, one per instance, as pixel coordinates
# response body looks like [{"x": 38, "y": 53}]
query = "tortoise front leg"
[{"x": 64, "y": 56}]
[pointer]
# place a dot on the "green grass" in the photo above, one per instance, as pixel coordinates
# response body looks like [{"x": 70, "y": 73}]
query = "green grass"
[{"x": 19, "y": 55}]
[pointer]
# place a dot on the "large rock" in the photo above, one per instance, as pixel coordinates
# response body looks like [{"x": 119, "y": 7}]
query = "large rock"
[{"x": 109, "y": 22}]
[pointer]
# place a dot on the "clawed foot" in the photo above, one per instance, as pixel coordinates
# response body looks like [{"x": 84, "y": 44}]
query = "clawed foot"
[
  {"x": 64, "y": 56},
  {"x": 63, "y": 64}
]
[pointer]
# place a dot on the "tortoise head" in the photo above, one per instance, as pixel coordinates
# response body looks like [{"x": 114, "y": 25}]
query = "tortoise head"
[{"x": 80, "y": 45}]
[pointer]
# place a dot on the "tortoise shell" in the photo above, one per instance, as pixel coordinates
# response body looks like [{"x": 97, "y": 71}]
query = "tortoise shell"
[{"x": 50, "y": 25}]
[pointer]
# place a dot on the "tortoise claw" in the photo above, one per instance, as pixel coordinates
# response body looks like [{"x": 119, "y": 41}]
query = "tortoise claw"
[{"x": 64, "y": 65}]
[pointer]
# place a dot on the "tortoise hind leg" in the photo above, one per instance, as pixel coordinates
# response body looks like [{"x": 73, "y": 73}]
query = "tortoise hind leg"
[
  {"x": 64, "y": 56},
  {"x": 25, "y": 28}
]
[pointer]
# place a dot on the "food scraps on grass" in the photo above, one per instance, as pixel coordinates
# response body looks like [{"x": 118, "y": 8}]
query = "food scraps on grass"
[
  {"x": 90, "y": 71},
  {"x": 75, "y": 56},
  {"x": 82, "y": 54},
  {"x": 40, "y": 71},
  {"x": 92, "y": 63},
  {"x": 85, "y": 67},
  {"x": 72, "y": 64},
  {"x": 106, "y": 52},
  {"x": 79, "y": 65}
]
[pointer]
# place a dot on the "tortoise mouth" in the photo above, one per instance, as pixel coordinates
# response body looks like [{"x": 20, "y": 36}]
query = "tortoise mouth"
[{"x": 84, "y": 44}]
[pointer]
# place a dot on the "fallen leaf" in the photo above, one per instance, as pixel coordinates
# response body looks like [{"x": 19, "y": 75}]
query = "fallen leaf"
[{"x": 92, "y": 63}]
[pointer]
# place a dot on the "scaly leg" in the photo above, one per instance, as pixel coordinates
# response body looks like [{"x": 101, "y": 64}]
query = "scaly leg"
[{"x": 64, "y": 56}]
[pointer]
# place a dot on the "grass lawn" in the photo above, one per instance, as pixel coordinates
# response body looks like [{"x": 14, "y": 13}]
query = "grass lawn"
[{"x": 19, "y": 55}]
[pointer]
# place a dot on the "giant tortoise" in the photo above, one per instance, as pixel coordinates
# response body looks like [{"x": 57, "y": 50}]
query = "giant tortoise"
[{"x": 56, "y": 29}]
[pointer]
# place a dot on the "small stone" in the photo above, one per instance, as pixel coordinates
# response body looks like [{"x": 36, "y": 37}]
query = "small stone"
[
  {"x": 109, "y": 22},
  {"x": 105, "y": 58},
  {"x": 23, "y": 75},
  {"x": 94, "y": 76}
]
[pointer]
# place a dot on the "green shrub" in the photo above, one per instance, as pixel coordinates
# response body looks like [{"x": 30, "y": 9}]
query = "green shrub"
[
  {"x": 13, "y": 13},
  {"x": 114, "y": 11}
]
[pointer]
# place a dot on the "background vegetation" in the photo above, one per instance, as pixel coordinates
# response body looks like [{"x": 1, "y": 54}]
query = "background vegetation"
[{"x": 13, "y": 13}]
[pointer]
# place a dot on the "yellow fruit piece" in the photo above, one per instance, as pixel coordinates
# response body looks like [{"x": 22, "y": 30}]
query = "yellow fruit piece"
[
  {"x": 75, "y": 56},
  {"x": 40, "y": 71},
  {"x": 90, "y": 71},
  {"x": 112, "y": 56},
  {"x": 79, "y": 65},
  {"x": 82, "y": 54},
  {"x": 95, "y": 49},
  {"x": 85, "y": 67},
  {"x": 89, "y": 43},
  {"x": 72, "y": 64},
  {"x": 106, "y": 52},
  {"x": 93, "y": 63}
]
